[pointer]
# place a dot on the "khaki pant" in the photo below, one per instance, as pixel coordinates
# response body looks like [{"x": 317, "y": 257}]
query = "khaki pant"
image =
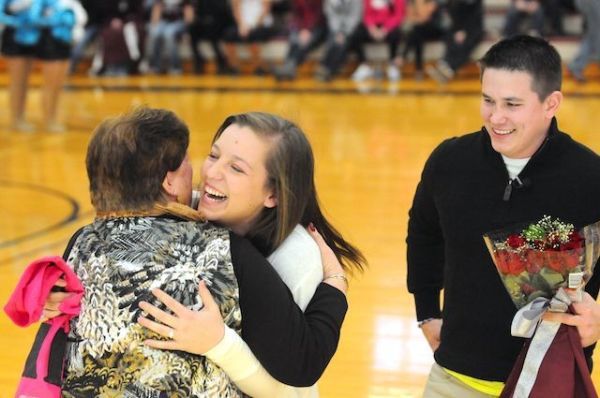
[{"x": 441, "y": 384}]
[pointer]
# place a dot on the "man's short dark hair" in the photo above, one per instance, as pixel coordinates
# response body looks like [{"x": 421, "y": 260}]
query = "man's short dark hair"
[
  {"x": 129, "y": 156},
  {"x": 529, "y": 54}
]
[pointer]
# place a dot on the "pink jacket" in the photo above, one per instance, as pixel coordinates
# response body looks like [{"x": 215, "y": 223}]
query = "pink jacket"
[
  {"x": 386, "y": 13},
  {"x": 25, "y": 307}
]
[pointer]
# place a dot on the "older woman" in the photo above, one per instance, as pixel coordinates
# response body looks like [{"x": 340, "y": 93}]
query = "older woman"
[{"x": 145, "y": 238}]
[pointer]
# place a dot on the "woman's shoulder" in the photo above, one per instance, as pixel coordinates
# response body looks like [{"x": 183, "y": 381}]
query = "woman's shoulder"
[
  {"x": 298, "y": 262},
  {"x": 299, "y": 239},
  {"x": 298, "y": 247}
]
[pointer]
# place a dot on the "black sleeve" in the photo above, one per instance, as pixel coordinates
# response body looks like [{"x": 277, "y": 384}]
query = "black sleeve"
[
  {"x": 425, "y": 246},
  {"x": 294, "y": 347},
  {"x": 67, "y": 251},
  {"x": 58, "y": 347}
]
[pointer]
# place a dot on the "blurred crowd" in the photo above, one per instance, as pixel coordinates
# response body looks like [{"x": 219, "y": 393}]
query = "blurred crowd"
[
  {"x": 125, "y": 37},
  {"x": 145, "y": 36}
]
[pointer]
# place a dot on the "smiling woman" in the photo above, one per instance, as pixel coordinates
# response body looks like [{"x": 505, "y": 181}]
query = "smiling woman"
[
  {"x": 258, "y": 181},
  {"x": 235, "y": 187}
]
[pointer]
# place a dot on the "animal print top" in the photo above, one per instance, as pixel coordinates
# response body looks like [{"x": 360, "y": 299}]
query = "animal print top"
[{"x": 119, "y": 262}]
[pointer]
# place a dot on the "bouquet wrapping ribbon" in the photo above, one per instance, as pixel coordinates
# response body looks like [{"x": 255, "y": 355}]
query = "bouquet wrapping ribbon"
[{"x": 524, "y": 325}]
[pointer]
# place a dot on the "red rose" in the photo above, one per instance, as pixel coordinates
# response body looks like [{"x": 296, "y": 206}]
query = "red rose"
[
  {"x": 535, "y": 260},
  {"x": 576, "y": 237},
  {"x": 555, "y": 260},
  {"x": 515, "y": 241},
  {"x": 516, "y": 264},
  {"x": 570, "y": 246},
  {"x": 576, "y": 241},
  {"x": 571, "y": 258},
  {"x": 502, "y": 261}
]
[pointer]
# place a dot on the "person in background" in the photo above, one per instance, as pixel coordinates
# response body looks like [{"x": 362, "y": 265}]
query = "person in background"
[
  {"x": 39, "y": 29},
  {"x": 90, "y": 35},
  {"x": 307, "y": 33},
  {"x": 464, "y": 35},
  {"x": 382, "y": 20},
  {"x": 343, "y": 17},
  {"x": 169, "y": 20},
  {"x": 521, "y": 12},
  {"x": 427, "y": 24},
  {"x": 590, "y": 42},
  {"x": 122, "y": 35},
  {"x": 253, "y": 25},
  {"x": 211, "y": 19}
]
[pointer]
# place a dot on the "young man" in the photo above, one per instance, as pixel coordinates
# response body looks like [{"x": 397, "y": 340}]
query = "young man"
[{"x": 517, "y": 168}]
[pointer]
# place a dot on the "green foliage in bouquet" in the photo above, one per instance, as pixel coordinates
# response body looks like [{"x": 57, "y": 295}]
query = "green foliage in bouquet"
[{"x": 549, "y": 233}]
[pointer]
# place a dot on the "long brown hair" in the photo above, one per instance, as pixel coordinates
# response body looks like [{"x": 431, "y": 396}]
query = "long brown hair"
[{"x": 290, "y": 170}]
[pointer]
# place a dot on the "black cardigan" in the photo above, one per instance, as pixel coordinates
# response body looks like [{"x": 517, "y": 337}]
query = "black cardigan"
[
  {"x": 293, "y": 347},
  {"x": 461, "y": 196}
]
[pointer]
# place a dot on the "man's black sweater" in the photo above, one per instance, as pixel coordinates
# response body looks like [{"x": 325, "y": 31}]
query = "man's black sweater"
[{"x": 462, "y": 195}]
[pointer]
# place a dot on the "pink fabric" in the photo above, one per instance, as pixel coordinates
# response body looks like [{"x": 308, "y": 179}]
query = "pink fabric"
[
  {"x": 384, "y": 17},
  {"x": 36, "y": 388},
  {"x": 25, "y": 307},
  {"x": 563, "y": 372}
]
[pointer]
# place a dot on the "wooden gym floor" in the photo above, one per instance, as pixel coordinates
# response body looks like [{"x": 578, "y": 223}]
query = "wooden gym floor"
[{"x": 370, "y": 143}]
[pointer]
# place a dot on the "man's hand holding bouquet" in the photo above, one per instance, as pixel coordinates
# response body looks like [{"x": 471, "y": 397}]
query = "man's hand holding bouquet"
[{"x": 544, "y": 266}]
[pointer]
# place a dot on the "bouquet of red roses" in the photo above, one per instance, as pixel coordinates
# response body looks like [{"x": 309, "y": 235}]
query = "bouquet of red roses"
[
  {"x": 537, "y": 259},
  {"x": 536, "y": 263}
]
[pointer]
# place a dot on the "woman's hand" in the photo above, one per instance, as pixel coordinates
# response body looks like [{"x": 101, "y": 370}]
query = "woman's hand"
[
  {"x": 53, "y": 302},
  {"x": 195, "y": 332},
  {"x": 333, "y": 273}
]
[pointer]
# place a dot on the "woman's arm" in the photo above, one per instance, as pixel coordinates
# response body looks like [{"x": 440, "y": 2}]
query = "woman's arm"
[
  {"x": 232, "y": 354},
  {"x": 203, "y": 333},
  {"x": 294, "y": 347},
  {"x": 236, "y": 10},
  {"x": 156, "y": 12},
  {"x": 188, "y": 14}
]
